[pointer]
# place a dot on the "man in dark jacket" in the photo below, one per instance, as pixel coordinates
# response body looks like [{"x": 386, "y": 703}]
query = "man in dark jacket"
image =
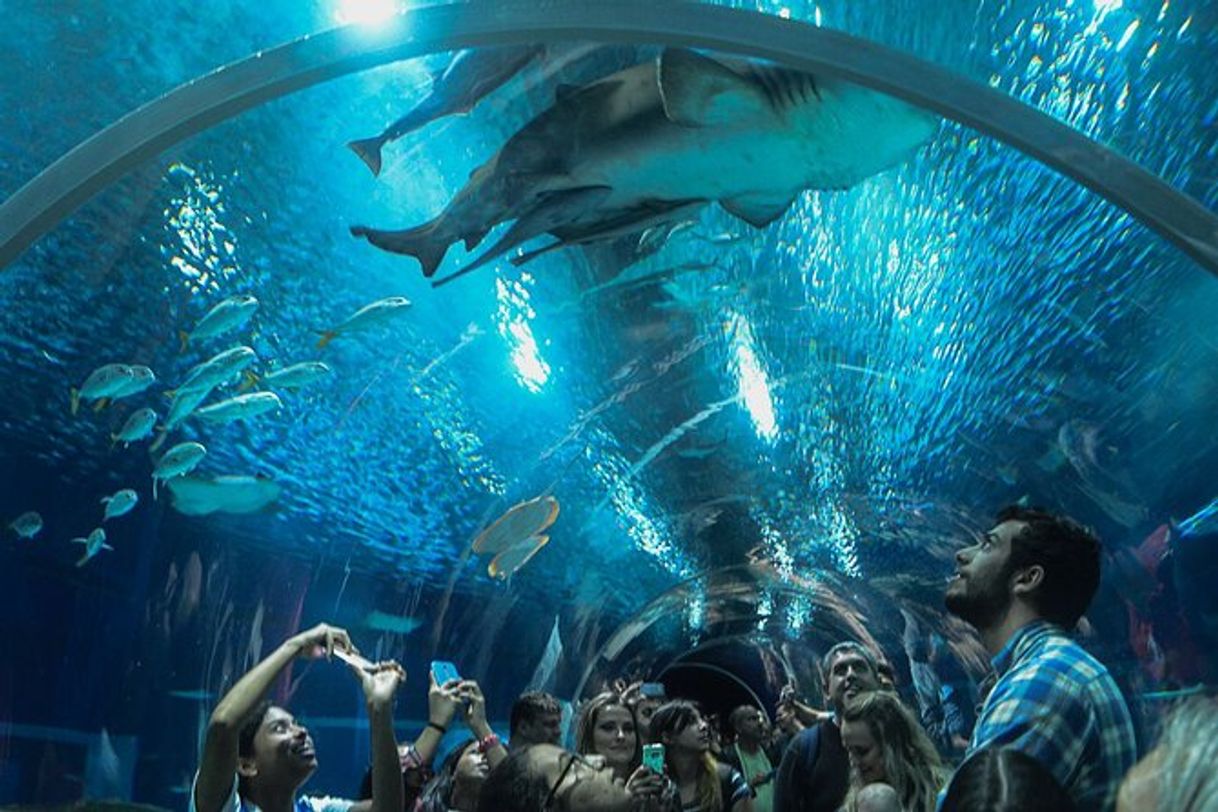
[{"x": 815, "y": 771}]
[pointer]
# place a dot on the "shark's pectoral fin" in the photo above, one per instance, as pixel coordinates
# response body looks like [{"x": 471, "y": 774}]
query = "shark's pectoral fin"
[
  {"x": 699, "y": 92},
  {"x": 551, "y": 210},
  {"x": 757, "y": 211}
]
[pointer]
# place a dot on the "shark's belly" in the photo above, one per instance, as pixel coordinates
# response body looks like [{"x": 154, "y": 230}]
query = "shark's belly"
[
  {"x": 817, "y": 147},
  {"x": 683, "y": 163}
]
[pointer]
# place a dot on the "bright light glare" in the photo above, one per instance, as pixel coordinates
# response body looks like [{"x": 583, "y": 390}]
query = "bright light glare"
[
  {"x": 751, "y": 381},
  {"x": 513, "y": 319},
  {"x": 364, "y": 12}
]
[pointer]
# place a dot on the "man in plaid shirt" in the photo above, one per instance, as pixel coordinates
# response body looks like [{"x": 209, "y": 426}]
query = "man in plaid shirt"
[{"x": 1023, "y": 585}]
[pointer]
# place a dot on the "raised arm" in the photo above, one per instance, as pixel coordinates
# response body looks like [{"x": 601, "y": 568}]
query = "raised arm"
[
  {"x": 475, "y": 717},
  {"x": 380, "y": 686},
  {"x": 442, "y": 704},
  {"x": 219, "y": 762}
]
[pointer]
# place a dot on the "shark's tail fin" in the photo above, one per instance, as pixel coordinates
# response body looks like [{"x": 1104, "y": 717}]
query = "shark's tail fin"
[
  {"x": 423, "y": 243},
  {"x": 369, "y": 151}
]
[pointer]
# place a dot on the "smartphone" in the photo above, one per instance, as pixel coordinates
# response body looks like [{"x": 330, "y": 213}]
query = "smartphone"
[
  {"x": 443, "y": 671},
  {"x": 353, "y": 659},
  {"x": 653, "y": 758},
  {"x": 652, "y": 690}
]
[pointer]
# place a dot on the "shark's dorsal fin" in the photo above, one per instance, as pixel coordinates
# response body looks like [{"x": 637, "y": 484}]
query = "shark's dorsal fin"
[
  {"x": 699, "y": 92},
  {"x": 757, "y": 210}
]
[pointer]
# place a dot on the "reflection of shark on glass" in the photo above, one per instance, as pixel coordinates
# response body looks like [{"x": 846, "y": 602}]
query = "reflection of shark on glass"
[{"x": 644, "y": 146}]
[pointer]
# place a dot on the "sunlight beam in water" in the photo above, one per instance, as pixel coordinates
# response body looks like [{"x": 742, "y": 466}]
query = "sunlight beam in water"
[
  {"x": 513, "y": 317},
  {"x": 751, "y": 380}
]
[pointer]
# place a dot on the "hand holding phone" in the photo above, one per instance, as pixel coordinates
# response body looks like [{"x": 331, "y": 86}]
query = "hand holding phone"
[
  {"x": 443, "y": 671},
  {"x": 653, "y": 758},
  {"x": 356, "y": 660}
]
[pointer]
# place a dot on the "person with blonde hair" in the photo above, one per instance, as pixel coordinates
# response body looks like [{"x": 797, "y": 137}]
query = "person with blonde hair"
[
  {"x": 1179, "y": 774},
  {"x": 893, "y": 763},
  {"x": 606, "y": 727}
]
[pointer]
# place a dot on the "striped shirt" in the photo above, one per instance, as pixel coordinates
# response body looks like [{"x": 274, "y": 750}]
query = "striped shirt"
[{"x": 1057, "y": 703}]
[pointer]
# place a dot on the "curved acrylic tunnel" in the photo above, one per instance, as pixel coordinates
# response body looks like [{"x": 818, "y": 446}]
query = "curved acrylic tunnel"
[{"x": 758, "y": 440}]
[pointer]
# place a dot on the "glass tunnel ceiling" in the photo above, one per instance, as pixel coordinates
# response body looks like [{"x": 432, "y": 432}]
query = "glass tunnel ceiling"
[{"x": 834, "y": 401}]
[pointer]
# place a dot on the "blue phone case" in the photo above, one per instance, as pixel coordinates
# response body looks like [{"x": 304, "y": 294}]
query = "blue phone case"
[{"x": 444, "y": 671}]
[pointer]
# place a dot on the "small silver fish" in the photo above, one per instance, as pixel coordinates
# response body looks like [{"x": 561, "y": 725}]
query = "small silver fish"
[
  {"x": 94, "y": 544},
  {"x": 242, "y": 407},
  {"x": 184, "y": 404},
  {"x": 218, "y": 369},
  {"x": 119, "y": 504},
  {"x": 27, "y": 525},
  {"x": 297, "y": 375},
  {"x": 138, "y": 379},
  {"x": 180, "y": 459},
  {"x": 137, "y": 427},
  {"x": 366, "y": 317},
  {"x": 226, "y": 316},
  {"x": 112, "y": 381}
]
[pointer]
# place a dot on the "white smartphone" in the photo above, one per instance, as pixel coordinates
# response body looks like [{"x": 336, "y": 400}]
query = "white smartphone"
[{"x": 354, "y": 659}]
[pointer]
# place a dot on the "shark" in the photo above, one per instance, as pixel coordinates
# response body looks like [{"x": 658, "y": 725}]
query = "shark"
[
  {"x": 456, "y": 89},
  {"x": 654, "y": 142}
]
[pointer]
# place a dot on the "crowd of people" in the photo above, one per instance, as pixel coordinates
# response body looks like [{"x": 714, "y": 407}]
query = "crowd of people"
[{"x": 1052, "y": 732}]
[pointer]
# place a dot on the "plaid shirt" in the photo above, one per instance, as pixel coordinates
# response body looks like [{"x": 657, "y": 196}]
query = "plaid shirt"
[{"x": 1057, "y": 703}]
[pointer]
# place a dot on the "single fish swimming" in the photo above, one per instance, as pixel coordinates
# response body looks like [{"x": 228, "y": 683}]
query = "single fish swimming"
[
  {"x": 120, "y": 504},
  {"x": 647, "y": 144},
  {"x": 367, "y": 317},
  {"x": 218, "y": 369},
  {"x": 138, "y": 426},
  {"x": 185, "y": 402},
  {"x": 94, "y": 544},
  {"x": 226, "y": 316},
  {"x": 471, "y": 75},
  {"x": 200, "y": 496},
  {"x": 241, "y": 407},
  {"x": 297, "y": 376},
  {"x": 27, "y": 525},
  {"x": 179, "y": 460}
]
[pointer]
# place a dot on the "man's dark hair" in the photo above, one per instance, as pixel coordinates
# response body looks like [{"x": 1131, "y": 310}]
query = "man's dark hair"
[
  {"x": 530, "y": 707},
  {"x": 1069, "y": 554},
  {"x": 249, "y": 728},
  {"x": 514, "y": 787},
  {"x": 1001, "y": 779}
]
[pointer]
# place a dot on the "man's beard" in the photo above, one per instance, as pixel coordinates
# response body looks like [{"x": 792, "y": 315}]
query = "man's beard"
[{"x": 981, "y": 607}]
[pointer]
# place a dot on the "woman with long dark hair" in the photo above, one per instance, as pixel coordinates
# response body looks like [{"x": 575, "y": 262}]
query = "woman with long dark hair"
[
  {"x": 700, "y": 784},
  {"x": 458, "y": 783}
]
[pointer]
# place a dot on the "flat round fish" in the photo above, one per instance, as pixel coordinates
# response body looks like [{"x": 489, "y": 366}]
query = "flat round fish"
[
  {"x": 513, "y": 558},
  {"x": 517, "y": 525}
]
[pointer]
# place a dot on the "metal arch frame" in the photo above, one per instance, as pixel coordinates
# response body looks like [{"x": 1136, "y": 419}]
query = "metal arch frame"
[{"x": 58, "y": 190}]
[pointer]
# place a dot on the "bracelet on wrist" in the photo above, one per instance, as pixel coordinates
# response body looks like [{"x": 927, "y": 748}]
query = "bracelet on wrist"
[{"x": 441, "y": 729}]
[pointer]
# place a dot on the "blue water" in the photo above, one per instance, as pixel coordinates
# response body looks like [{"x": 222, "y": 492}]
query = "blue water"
[{"x": 788, "y": 435}]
